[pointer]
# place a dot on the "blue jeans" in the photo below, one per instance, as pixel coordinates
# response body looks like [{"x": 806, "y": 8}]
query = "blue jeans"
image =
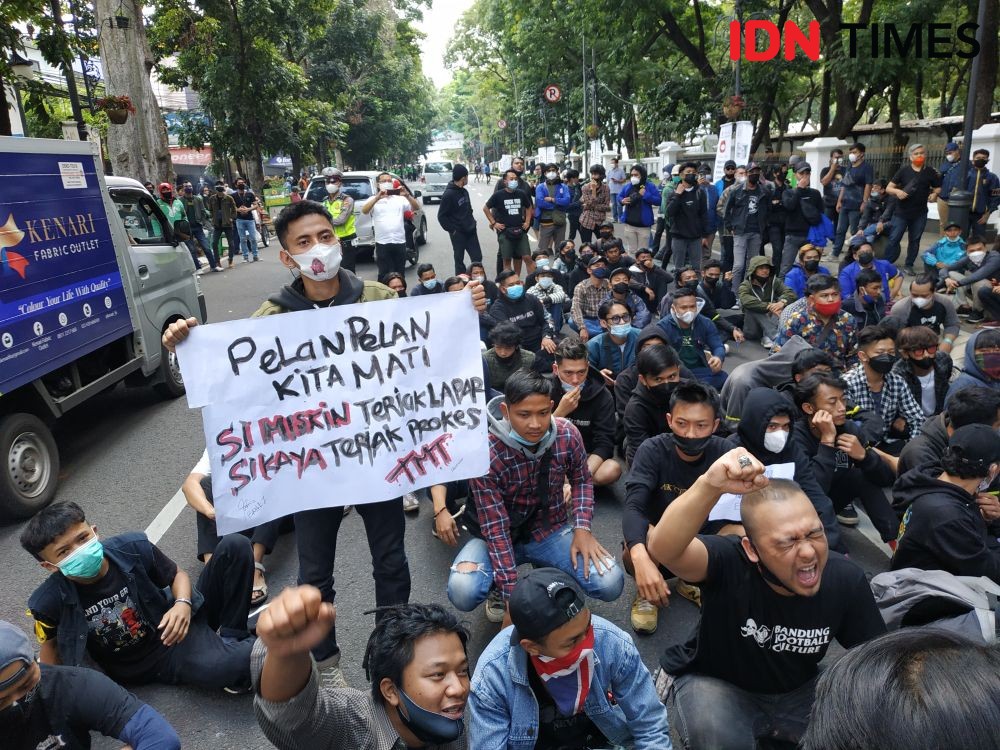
[
  {"x": 468, "y": 590},
  {"x": 737, "y": 718},
  {"x": 246, "y": 232},
  {"x": 714, "y": 379},
  {"x": 914, "y": 229},
  {"x": 848, "y": 222}
]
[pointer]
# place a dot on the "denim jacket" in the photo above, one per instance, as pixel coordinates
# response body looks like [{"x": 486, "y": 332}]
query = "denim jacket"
[
  {"x": 57, "y": 599},
  {"x": 503, "y": 711}
]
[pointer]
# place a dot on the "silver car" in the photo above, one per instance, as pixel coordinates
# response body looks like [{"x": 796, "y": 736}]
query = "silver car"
[
  {"x": 361, "y": 186},
  {"x": 435, "y": 178}
]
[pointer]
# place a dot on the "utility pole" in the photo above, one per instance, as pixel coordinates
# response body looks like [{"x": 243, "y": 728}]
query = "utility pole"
[{"x": 583, "y": 122}]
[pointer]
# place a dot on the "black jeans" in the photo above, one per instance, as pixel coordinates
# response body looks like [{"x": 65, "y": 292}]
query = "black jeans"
[
  {"x": 573, "y": 228},
  {"x": 586, "y": 235},
  {"x": 776, "y": 236},
  {"x": 316, "y": 537},
  {"x": 230, "y": 235},
  {"x": 208, "y": 535},
  {"x": 851, "y": 485},
  {"x": 462, "y": 241},
  {"x": 349, "y": 253},
  {"x": 726, "y": 256},
  {"x": 390, "y": 257}
]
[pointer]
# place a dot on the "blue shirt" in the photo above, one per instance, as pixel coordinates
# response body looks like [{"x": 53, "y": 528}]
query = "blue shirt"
[{"x": 848, "y": 283}]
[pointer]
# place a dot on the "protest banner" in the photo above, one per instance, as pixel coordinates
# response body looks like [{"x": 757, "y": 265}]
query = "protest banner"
[
  {"x": 337, "y": 406},
  {"x": 727, "y": 507}
]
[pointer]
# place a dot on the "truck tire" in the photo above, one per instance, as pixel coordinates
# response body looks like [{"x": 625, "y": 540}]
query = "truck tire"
[
  {"x": 30, "y": 465},
  {"x": 172, "y": 384}
]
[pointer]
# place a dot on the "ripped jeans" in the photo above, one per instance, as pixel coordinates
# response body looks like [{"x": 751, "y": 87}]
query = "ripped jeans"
[{"x": 467, "y": 590}]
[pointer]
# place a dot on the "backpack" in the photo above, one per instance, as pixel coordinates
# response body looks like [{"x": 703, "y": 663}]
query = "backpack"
[{"x": 962, "y": 604}]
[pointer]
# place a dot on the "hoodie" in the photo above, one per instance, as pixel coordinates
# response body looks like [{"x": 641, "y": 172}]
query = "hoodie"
[
  {"x": 645, "y": 416},
  {"x": 455, "y": 211},
  {"x": 946, "y": 251},
  {"x": 628, "y": 378},
  {"x": 943, "y": 529},
  {"x": 760, "y": 405},
  {"x": 925, "y": 450},
  {"x": 504, "y": 503},
  {"x": 972, "y": 373},
  {"x": 594, "y": 415},
  {"x": 757, "y": 298},
  {"x": 704, "y": 336},
  {"x": 688, "y": 212},
  {"x": 292, "y": 298}
]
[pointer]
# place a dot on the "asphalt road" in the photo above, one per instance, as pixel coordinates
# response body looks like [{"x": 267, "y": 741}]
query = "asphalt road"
[{"x": 125, "y": 454}]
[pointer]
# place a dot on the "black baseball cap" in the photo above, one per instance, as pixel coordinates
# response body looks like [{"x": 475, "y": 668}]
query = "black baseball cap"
[
  {"x": 976, "y": 445},
  {"x": 951, "y": 224},
  {"x": 596, "y": 259},
  {"x": 803, "y": 166},
  {"x": 14, "y": 647},
  {"x": 752, "y": 166},
  {"x": 543, "y": 600},
  {"x": 730, "y": 164}
]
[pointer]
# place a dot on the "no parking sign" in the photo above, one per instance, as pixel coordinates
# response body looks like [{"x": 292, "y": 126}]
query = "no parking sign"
[{"x": 552, "y": 94}]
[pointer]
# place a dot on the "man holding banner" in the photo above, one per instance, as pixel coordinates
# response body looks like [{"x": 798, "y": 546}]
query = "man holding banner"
[{"x": 311, "y": 251}]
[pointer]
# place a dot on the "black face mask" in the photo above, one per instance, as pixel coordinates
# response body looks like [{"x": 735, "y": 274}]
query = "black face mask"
[
  {"x": 865, "y": 258},
  {"x": 979, "y": 163},
  {"x": 812, "y": 266},
  {"x": 691, "y": 446},
  {"x": 620, "y": 288},
  {"x": 753, "y": 179},
  {"x": 882, "y": 363},
  {"x": 922, "y": 363},
  {"x": 692, "y": 284},
  {"x": 760, "y": 280},
  {"x": 606, "y": 235},
  {"x": 711, "y": 280},
  {"x": 662, "y": 392},
  {"x": 219, "y": 188},
  {"x": 691, "y": 179}
]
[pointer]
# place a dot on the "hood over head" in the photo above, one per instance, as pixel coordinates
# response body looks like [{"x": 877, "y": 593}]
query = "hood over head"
[
  {"x": 921, "y": 481},
  {"x": 757, "y": 261},
  {"x": 760, "y": 405},
  {"x": 500, "y": 428},
  {"x": 652, "y": 331},
  {"x": 970, "y": 366}
]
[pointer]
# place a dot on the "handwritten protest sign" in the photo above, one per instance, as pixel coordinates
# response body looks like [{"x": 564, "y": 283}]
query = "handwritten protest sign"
[
  {"x": 337, "y": 406},
  {"x": 727, "y": 508}
]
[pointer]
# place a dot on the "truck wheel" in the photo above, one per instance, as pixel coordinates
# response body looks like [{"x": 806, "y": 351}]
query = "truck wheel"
[
  {"x": 172, "y": 385},
  {"x": 421, "y": 238},
  {"x": 31, "y": 465}
]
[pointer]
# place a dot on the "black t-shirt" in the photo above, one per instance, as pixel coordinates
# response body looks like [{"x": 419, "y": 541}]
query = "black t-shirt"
[
  {"x": 763, "y": 642},
  {"x": 119, "y": 639},
  {"x": 558, "y": 732},
  {"x": 509, "y": 209},
  {"x": 70, "y": 702},
  {"x": 244, "y": 201},
  {"x": 918, "y": 186},
  {"x": 932, "y": 317},
  {"x": 832, "y": 189}
]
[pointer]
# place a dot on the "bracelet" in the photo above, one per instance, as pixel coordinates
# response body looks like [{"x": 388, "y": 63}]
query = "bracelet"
[
  {"x": 441, "y": 511},
  {"x": 185, "y": 600}
]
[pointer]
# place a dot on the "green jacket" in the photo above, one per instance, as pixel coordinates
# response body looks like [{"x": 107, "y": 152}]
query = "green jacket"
[
  {"x": 352, "y": 289},
  {"x": 222, "y": 209},
  {"x": 174, "y": 211},
  {"x": 758, "y": 298}
]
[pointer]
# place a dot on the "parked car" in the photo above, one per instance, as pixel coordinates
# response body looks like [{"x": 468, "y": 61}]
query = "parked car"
[
  {"x": 361, "y": 186},
  {"x": 435, "y": 178}
]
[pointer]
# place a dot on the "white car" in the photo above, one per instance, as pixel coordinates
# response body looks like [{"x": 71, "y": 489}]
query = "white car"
[
  {"x": 361, "y": 186},
  {"x": 435, "y": 178}
]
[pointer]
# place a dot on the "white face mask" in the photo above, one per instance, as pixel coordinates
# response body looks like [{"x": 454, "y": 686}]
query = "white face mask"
[
  {"x": 775, "y": 441},
  {"x": 977, "y": 256},
  {"x": 332, "y": 188},
  {"x": 634, "y": 180},
  {"x": 385, "y": 186},
  {"x": 685, "y": 317},
  {"x": 741, "y": 178},
  {"x": 922, "y": 302},
  {"x": 852, "y": 157},
  {"x": 952, "y": 158},
  {"x": 321, "y": 262},
  {"x": 551, "y": 176}
]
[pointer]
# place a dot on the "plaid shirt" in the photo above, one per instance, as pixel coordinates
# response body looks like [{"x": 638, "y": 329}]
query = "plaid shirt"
[
  {"x": 595, "y": 205},
  {"x": 587, "y": 299},
  {"x": 841, "y": 342},
  {"x": 511, "y": 489},
  {"x": 897, "y": 400}
]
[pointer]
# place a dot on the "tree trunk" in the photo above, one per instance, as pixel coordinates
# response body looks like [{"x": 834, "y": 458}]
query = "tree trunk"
[
  {"x": 138, "y": 149},
  {"x": 987, "y": 63},
  {"x": 5, "y": 124}
]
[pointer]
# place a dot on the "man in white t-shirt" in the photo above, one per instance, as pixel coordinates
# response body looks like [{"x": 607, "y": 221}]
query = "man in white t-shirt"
[{"x": 388, "y": 208}]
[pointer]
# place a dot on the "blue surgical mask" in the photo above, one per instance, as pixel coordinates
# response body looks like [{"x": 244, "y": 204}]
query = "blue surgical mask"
[
  {"x": 543, "y": 263},
  {"x": 545, "y": 282},
  {"x": 429, "y": 283},
  {"x": 528, "y": 443},
  {"x": 427, "y": 726},
  {"x": 85, "y": 561},
  {"x": 512, "y": 184},
  {"x": 600, "y": 273},
  {"x": 567, "y": 387},
  {"x": 515, "y": 291},
  {"x": 621, "y": 330}
]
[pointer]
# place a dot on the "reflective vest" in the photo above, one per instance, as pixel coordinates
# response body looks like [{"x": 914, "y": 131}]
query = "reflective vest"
[{"x": 346, "y": 230}]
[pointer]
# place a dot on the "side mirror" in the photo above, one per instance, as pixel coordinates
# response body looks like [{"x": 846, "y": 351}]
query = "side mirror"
[{"x": 416, "y": 193}]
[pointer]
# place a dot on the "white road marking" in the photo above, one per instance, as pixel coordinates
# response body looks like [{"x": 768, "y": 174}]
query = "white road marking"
[{"x": 166, "y": 517}]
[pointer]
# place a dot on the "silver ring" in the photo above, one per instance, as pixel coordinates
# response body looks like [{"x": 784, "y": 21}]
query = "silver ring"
[{"x": 744, "y": 461}]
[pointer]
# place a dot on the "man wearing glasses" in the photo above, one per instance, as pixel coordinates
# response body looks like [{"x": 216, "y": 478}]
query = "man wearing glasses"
[
  {"x": 341, "y": 208},
  {"x": 615, "y": 349}
]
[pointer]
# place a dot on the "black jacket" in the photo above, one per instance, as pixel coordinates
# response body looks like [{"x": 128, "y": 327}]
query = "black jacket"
[
  {"x": 803, "y": 207},
  {"x": 924, "y": 451},
  {"x": 594, "y": 415},
  {"x": 760, "y": 405},
  {"x": 654, "y": 278},
  {"x": 943, "y": 529},
  {"x": 645, "y": 416},
  {"x": 628, "y": 378},
  {"x": 688, "y": 212},
  {"x": 527, "y": 312},
  {"x": 738, "y": 208},
  {"x": 830, "y": 463},
  {"x": 943, "y": 367},
  {"x": 455, "y": 212}
]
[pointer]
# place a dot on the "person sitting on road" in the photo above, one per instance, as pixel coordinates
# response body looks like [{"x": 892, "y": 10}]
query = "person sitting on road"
[
  {"x": 659, "y": 370},
  {"x": 506, "y": 356},
  {"x": 587, "y": 298},
  {"x": 728, "y": 322},
  {"x": 580, "y": 396},
  {"x": 873, "y": 386},
  {"x": 823, "y": 324},
  {"x": 771, "y": 603},
  {"x": 621, "y": 291},
  {"x": 695, "y": 339},
  {"x": 50, "y": 706},
  {"x": 628, "y": 378},
  {"x": 951, "y": 523},
  {"x": 397, "y": 283},
  {"x": 947, "y": 251},
  {"x": 892, "y": 279},
  {"x": 762, "y": 298},
  {"x": 614, "y": 350},
  {"x": 416, "y": 663},
  {"x": 562, "y": 677},
  {"x": 653, "y": 280},
  {"x": 517, "y": 511},
  {"x": 551, "y": 294},
  {"x": 525, "y": 311},
  {"x": 866, "y": 305},
  {"x": 982, "y": 362},
  {"x": 925, "y": 308},
  {"x": 663, "y": 468},
  {"x": 429, "y": 282},
  {"x": 845, "y": 467},
  {"x": 613, "y": 251},
  {"x": 197, "y": 489},
  {"x": 543, "y": 262},
  {"x": 969, "y": 278},
  {"x": 130, "y": 608},
  {"x": 924, "y": 367},
  {"x": 806, "y": 266}
]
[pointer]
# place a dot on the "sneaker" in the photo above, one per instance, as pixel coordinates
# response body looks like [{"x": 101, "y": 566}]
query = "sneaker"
[
  {"x": 330, "y": 675},
  {"x": 766, "y": 342},
  {"x": 410, "y": 503},
  {"x": 495, "y": 609},
  {"x": 246, "y": 259},
  {"x": 989, "y": 324},
  {"x": 976, "y": 316},
  {"x": 689, "y": 592},
  {"x": 644, "y": 615},
  {"x": 964, "y": 310},
  {"x": 239, "y": 688},
  {"x": 847, "y": 515},
  {"x": 908, "y": 270},
  {"x": 217, "y": 269},
  {"x": 256, "y": 258}
]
